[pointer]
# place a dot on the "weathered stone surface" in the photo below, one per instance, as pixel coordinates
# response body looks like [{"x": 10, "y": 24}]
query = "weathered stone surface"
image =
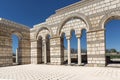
[
  {"x": 91, "y": 15},
  {"x": 7, "y": 28}
]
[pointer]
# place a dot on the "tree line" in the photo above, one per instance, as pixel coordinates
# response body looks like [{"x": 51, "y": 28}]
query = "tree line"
[
  {"x": 112, "y": 51},
  {"x": 76, "y": 50}
]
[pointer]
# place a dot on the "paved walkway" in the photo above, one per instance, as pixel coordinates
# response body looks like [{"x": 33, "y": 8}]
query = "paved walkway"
[{"x": 52, "y": 72}]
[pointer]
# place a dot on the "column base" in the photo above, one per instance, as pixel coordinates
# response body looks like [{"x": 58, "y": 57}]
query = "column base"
[
  {"x": 95, "y": 65},
  {"x": 56, "y": 63},
  {"x": 82, "y": 64},
  {"x": 72, "y": 64}
]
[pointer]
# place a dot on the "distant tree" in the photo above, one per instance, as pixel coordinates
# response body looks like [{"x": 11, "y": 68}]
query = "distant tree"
[
  {"x": 14, "y": 54},
  {"x": 76, "y": 50},
  {"x": 84, "y": 50},
  {"x": 113, "y": 50},
  {"x": 64, "y": 47},
  {"x": 73, "y": 50},
  {"x": 107, "y": 51}
]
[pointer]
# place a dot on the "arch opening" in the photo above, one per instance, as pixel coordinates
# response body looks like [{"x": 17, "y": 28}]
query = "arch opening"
[
  {"x": 42, "y": 29},
  {"x": 15, "y": 49},
  {"x": 43, "y": 42},
  {"x": 84, "y": 46},
  {"x": 112, "y": 48},
  {"x": 70, "y": 20},
  {"x": 74, "y": 48},
  {"x": 64, "y": 48},
  {"x": 43, "y": 51},
  {"x": 72, "y": 17},
  {"x": 48, "y": 48},
  {"x": 74, "y": 27},
  {"x": 39, "y": 50}
]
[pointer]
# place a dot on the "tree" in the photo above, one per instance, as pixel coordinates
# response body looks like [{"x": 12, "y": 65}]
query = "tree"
[
  {"x": 107, "y": 51},
  {"x": 83, "y": 50},
  {"x": 73, "y": 50},
  {"x": 113, "y": 50},
  {"x": 14, "y": 54}
]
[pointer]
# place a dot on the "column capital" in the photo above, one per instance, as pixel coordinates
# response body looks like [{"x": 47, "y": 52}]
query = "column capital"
[
  {"x": 78, "y": 35},
  {"x": 68, "y": 37},
  {"x": 44, "y": 40}
]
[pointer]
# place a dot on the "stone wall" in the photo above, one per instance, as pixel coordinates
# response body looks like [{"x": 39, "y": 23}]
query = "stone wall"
[
  {"x": 55, "y": 51},
  {"x": 96, "y": 48},
  {"x": 7, "y": 28},
  {"x": 91, "y": 15},
  {"x": 5, "y": 47}
]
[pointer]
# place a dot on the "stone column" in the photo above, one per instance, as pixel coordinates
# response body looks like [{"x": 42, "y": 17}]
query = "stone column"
[
  {"x": 69, "y": 51},
  {"x": 79, "y": 51},
  {"x": 45, "y": 52},
  {"x": 24, "y": 51},
  {"x": 17, "y": 55},
  {"x": 36, "y": 51}
]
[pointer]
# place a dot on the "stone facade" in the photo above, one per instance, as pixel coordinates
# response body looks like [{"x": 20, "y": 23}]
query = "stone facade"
[
  {"x": 7, "y": 28},
  {"x": 91, "y": 15}
]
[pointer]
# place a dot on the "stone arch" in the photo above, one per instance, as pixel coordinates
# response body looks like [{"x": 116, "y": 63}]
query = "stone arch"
[
  {"x": 43, "y": 44},
  {"x": 47, "y": 35},
  {"x": 62, "y": 33},
  {"x": 39, "y": 49},
  {"x": 47, "y": 39},
  {"x": 72, "y": 30},
  {"x": 19, "y": 48},
  {"x": 108, "y": 17},
  {"x": 39, "y": 37},
  {"x": 75, "y": 15},
  {"x": 42, "y": 28},
  {"x": 105, "y": 19},
  {"x": 18, "y": 34}
]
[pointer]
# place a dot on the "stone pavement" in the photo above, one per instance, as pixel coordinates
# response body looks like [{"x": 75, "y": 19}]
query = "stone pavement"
[{"x": 56, "y": 72}]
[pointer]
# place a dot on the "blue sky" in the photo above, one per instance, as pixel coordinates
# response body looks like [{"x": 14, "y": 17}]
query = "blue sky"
[
  {"x": 31, "y": 12},
  {"x": 113, "y": 34}
]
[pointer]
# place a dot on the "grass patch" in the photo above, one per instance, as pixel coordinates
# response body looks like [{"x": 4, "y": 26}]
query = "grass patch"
[{"x": 114, "y": 56}]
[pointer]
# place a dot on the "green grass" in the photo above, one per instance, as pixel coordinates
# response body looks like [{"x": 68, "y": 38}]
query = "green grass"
[{"x": 114, "y": 56}]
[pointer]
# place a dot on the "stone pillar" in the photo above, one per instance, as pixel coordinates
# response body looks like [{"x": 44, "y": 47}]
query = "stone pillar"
[
  {"x": 96, "y": 48},
  {"x": 39, "y": 51},
  {"x": 56, "y": 55},
  {"x": 48, "y": 49},
  {"x": 34, "y": 52},
  {"x": 17, "y": 55},
  {"x": 45, "y": 52},
  {"x": 79, "y": 51},
  {"x": 24, "y": 51},
  {"x": 5, "y": 46},
  {"x": 69, "y": 51}
]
